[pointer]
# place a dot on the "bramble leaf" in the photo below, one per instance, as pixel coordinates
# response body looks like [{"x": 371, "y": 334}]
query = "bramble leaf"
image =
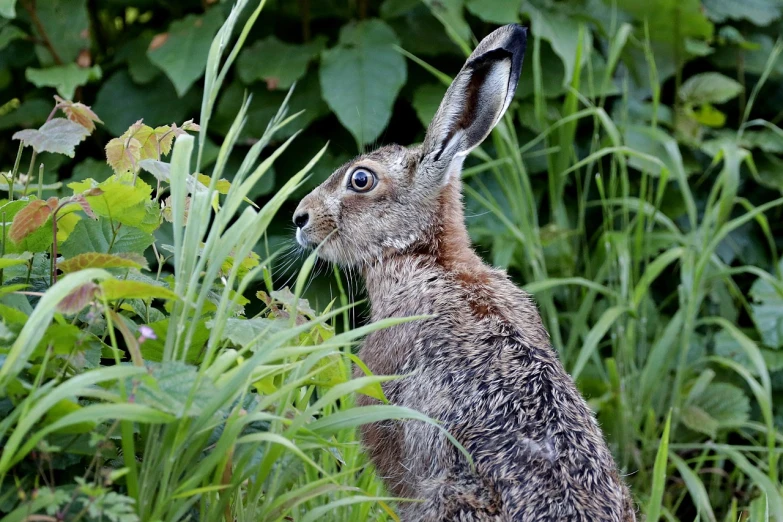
[
  {"x": 277, "y": 63},
  {"x": 98, "y": 260},
  {"x": 79, "y": 113},
  {"x": 709, "y": 87},
  {"x": 181, "y": 53},
  {"x": 31, "y": 218},
  {"x": 100, "y": 236},
  {"x": 119, "y": 200},
  {"x": 80, "y": 297},
  {"x": 58, "y": 135},
  {"x": 361, "y": 77},
  {"x": 114, "y": 289},
  {"x": 65, "y": 78}
]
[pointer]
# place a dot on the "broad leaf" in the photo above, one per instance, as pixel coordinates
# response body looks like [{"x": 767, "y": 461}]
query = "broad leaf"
[
  {"x": 759, "y": 12},
  {"x": 8, "y": 8},
  {"x": 562, "y": 33},
  {"x": 151, "y": 102},
  {"x": 181, "y": 53},
  {"x": 122, "y": 200},
  {"x": 767, "y": 313},
  {"x": 277, "y": 63},
  {"x": 9, "y": 33},
  {"x": 58, "y": 135},
  {"x": 660, "y": 16},
  {"x": 114, "y": 289},
  {"x": 242, "y": 332},
  {"x": 495, "y": 11},
  {"x": 37, "y": 241},
  {"x": 67, "y": 27},
  {"x": 361, "y": 77},
  {"x": 79, "y": 113},
  {"x": 65, "y": 78},
  {"x": 31, "y": 218},
  {"x": 719, "y": 406},
  {"x": 99, "y": 260},
  {"x": 79, "y": 297},
  {"x": 426, "y": 100},
  {"x": 101, "y": 236},
  {"x": 709, "y": 87}
]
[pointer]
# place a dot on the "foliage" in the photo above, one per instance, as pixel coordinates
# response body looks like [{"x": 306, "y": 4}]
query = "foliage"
[{"x": 634, "y": 188}]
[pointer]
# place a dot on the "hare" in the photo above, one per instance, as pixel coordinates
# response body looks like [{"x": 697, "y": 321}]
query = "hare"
[{"x": 483, "y": 366}]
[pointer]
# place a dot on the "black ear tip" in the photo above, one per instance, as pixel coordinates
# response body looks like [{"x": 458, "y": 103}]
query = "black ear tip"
[{"x": 517, "y": 40}]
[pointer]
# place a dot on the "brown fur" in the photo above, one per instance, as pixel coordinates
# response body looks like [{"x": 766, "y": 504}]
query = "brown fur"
[{"x": 483, "y": 365}]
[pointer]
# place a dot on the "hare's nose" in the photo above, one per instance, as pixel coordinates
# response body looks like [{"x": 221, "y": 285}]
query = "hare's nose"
[{"x": 301, "y": 219}]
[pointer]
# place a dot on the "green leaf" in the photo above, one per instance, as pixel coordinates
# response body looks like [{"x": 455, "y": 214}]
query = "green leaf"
[
  {"x": 169, "y": 387},
  {"x": 58, "y": 135},
  {"x": 181, "y": 53},
  {"x": 151, "y": 102},
  {"x": 426, "y": 100},
  {"x": 130, "y": 204},
  {"x": 100, "y": 236},
  {"x": 37, "y": 241},
  {"x": 99, "y": 260},
  {"x": 562, "y": 33},
  {"x": 758, "y": 12},
  {"x": 495, "y": 11},
  {"x": 66, "y": 78},
  {"x": 767, "y": 312},
  {"x": 67, "y": 27},
  {"x": 718, "y": 406},
  {"x": 450, "y": 14},
  {"x": 241, "y": 332},
  {"x": 277, "y": 63},
  {"x": 114, "y": 289},
  {"x": 140, "y": 68},
  {"x": 361, "y": 77},
  {"x": 8, "y": 8},
  {"x": 659, "y": 474},
  {"x": 9, "y": 33},
  {"x": 709, "y": 87},
  {"x": 660, "y": 16}
]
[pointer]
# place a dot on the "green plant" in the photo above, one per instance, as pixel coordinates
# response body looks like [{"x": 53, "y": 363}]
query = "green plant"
[
  {"x": 635, "y": 190},
  {"x": 135, "y": 396}
]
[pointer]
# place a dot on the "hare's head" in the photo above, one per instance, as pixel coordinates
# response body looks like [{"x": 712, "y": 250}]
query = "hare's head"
[{"x": 388, "y": 200}]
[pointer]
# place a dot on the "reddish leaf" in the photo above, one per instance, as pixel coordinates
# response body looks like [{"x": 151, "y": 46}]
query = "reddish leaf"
[
  {"x": 80, "y": 200},
  {"x": 29, "y": 219},
  {"x": 78, "y": 298},
  {"x": 79, "y": 113},
  {"x": 96, "y": 260}
]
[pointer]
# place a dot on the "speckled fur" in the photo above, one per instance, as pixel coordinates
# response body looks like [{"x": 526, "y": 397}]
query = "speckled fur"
[{"x": 483, "y": 366}]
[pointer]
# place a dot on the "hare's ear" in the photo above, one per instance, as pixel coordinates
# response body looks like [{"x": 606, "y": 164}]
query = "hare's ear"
[{"x": 475, "y": 101}]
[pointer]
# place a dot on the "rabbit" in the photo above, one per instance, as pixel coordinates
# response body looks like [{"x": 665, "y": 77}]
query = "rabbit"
[{"x": 483, "y": 365}]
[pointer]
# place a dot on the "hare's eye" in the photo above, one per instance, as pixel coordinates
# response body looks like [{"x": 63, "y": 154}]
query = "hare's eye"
[{"x": 362, "y": 180}]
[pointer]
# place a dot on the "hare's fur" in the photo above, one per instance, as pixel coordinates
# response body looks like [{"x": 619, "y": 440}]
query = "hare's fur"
[{"x": 483, "y": 366}]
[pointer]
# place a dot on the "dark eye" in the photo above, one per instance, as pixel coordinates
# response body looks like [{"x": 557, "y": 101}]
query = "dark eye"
[{"x": 362, "y": 180}]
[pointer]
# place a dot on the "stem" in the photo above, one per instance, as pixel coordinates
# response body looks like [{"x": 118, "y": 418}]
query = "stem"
[
  {"x": 29, "y": 173},
  {"x": 304, "y": 5},
  {"x": 53, "y": 278},
  {"x": 30, "y": 8},
  {"x": 2, "y": 246},
  {"x": 40, "y": 181},
  {"x": 13, "y": 172}
]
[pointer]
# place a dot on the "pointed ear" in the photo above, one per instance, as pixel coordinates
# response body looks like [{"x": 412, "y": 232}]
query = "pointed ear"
[{"x": 475, "y": 101}]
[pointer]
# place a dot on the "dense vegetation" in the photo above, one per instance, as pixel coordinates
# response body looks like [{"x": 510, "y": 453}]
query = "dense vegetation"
[{"x": 155, "y": 365}]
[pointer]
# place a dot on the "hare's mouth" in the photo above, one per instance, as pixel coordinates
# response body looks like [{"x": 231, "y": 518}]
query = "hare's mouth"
[{"x": 303, "y": 238}]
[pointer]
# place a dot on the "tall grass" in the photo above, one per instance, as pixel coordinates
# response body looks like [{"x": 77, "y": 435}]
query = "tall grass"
[
  {"x": 262, "y": 426},
  {"x": 625, "y": 290}
]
